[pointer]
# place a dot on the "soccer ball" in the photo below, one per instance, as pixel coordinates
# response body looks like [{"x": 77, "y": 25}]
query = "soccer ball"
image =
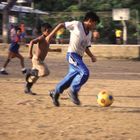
[{"x": 104, "y": 99}]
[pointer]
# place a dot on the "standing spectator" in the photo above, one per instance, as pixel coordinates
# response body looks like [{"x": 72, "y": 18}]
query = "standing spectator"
[
  {"x": 118, "y": 34},
  {"x": 96, "y": 36},
  {"x": 60, "y": 36}
]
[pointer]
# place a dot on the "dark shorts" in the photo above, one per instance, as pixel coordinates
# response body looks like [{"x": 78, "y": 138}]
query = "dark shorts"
[{"x": 14, "y": 47}]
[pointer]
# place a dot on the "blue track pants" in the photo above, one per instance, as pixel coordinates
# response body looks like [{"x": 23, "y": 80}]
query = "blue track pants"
[{"x": 77, "y": 75}]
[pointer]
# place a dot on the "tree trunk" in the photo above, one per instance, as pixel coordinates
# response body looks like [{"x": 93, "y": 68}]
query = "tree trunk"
[{"x": 5, "y": 19}]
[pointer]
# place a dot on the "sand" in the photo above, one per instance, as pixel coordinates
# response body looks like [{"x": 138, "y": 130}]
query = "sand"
[{"x": 26, "y": 117}]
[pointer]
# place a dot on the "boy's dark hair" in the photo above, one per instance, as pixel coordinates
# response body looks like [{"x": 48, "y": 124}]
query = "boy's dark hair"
[
  {"x": 17, "y": 28},
  {"x": 46, "y": 26},
  {"x": 93, "y": 16}
]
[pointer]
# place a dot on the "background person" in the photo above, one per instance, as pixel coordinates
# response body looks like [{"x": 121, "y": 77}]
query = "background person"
[
  {"x": 60, "y": 36},
  {"x": 118, "y": 34},
  {"x": 96, "y": 36},
  {"x": 14, "y": 51}
]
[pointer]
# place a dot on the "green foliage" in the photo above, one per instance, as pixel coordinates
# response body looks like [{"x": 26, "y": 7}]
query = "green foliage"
[
  {"x": 96, "y": 5},
  {"x": 72, "y": 8},
  {"x": 63, "y": 10}
]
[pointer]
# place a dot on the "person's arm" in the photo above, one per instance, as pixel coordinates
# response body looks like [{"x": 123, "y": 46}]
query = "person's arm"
[
  {"x": 89, "y": 53},
  {"x": 59, "y": 26}
]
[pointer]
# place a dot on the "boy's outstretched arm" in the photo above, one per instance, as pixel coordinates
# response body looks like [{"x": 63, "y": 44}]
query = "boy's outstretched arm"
[
  {"x": 89, "y": 53},
  {"x": 59, "y": 26}
]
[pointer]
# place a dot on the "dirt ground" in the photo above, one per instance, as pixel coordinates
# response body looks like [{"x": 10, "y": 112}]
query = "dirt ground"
[{"x": 26, "y": 117}]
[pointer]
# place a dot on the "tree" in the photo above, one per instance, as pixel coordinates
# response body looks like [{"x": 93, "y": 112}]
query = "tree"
[{"x": 6, "y": 18}]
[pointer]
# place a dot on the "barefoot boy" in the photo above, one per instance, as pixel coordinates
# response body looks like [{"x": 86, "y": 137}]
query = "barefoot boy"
[{"x": 39, "y": 68}]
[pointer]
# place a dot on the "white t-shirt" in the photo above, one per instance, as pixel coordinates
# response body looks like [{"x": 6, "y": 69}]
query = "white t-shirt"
[
  {"x": 78, "y": 38},
  {"x": 13, "y": 35}
]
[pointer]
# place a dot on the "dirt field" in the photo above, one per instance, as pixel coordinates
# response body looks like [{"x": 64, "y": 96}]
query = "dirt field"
[{"x": 26, "y": 117}]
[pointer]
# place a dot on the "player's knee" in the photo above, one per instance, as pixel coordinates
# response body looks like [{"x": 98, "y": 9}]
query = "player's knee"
[
  {"x": 32, "y": 76},
  {"x": 85, "y": 76},
  {"x": 46, "y": 73},
  {"x": 85, "y": 73},
  {"x": 34, "y": 72},
  {"x": 32, "y": 79}
]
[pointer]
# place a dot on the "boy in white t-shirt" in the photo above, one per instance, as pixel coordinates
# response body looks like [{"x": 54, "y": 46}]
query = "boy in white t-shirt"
[{"x": 80, "y": 41}]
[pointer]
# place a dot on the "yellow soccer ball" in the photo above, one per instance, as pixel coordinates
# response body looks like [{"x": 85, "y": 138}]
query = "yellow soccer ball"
[{"x": 104, "y": 98}]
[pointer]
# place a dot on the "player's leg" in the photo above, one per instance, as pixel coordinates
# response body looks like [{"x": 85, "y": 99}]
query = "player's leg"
[
  {"x": 67, "y": 80},
  {"x": 79, "y": 79},
  {"x": 31, "y": 77},
  {"x": 64, "y": 84},
  {"x": 18, "y": 55},
  {"x": 77, "y": 82},
  {"x": 43, "y": 69},
  {"x": 10, "y": 56},
  {"x": 39, "y": 70}
]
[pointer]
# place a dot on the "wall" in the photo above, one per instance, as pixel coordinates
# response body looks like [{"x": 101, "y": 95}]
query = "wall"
[
  {"x": 101, "y": 51},
  {"x": 110, "y": 51}
]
